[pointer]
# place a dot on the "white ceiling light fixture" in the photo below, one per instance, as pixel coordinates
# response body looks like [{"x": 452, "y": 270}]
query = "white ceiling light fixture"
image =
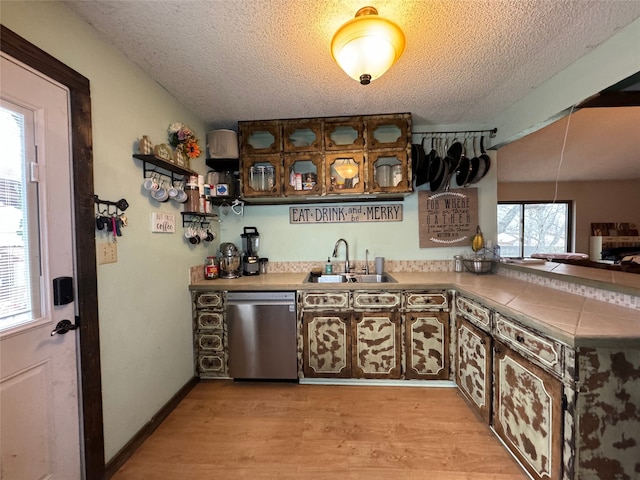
[{"x": 367, "y": 45}]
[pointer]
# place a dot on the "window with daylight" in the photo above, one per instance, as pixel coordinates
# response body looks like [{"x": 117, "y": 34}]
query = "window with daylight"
[
  {"x": 19, "y": 244},
  {"x": 525, "y": 228}
]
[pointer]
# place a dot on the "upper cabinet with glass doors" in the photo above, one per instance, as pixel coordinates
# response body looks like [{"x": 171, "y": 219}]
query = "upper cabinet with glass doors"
[{"x": 326, "y": 158}]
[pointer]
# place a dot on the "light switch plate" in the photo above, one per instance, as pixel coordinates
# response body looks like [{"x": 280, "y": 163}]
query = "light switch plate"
[{"x": 107, "y": 253}]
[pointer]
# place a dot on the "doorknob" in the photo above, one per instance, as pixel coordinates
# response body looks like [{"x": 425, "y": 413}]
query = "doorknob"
[{"x": 63, "y": 327}]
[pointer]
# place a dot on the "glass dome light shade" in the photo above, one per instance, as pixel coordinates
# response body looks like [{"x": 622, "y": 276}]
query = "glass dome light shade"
[
  {"x": 367, "y": 45},
  {"x": 346, "y": 169}
]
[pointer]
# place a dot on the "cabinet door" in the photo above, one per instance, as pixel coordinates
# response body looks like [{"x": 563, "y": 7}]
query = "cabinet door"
[
  {"x": 376, "y": 351},
  {"x": 309, "y": 167},
  {"x": 261, "y": 137},
  {"x": 388, "y": 171},
  {"x": 326, "y": 345},
  {"x": 427, "y": 345},
  {"x": 262, "y": 176},
  {"x": 344, "y": 173},
  {"x": 473, "y": 366},
  {"x": 527, "y": 413}
]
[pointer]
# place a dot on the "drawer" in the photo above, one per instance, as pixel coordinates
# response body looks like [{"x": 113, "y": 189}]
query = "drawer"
[
  {"x": 316, "y": 300},
  {"x": 474, "y": 312},
  {"x": 373, "y": 300},
  {"x": 546, "y": 352},
  {"x": 210, "y": 341},
  {"x": 208, "y": 319},
  {"x": 426, "y": 300},
  {"x": 208, "y": 299},
  {"x": 211, "y": 366}
]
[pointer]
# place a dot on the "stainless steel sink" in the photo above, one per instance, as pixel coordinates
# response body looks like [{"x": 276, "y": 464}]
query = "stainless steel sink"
[{"x": 350, "y": 278}]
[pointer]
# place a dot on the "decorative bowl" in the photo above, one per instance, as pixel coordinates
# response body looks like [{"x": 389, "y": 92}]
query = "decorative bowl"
[{"x": 479, "y": 265}]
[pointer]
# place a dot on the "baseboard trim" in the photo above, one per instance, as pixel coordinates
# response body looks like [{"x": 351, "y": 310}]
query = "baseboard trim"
[
  {"x": 378, "y": 383},
  {"x": 119, "y": 459}
]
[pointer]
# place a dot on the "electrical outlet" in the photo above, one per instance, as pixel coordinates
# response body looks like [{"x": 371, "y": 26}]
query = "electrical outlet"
[{"x": 107, "y": 253}]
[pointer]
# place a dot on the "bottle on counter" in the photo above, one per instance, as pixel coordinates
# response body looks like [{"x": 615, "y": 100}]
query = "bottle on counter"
[
  {"x": 211, "y": 268},
  {"x": 328, "y": 268}
]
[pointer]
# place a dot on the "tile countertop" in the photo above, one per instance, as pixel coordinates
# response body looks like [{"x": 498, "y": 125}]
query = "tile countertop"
[{"x": 573, "y": 319}]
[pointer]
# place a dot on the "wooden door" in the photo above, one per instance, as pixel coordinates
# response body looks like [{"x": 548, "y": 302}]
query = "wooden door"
[
  {"x": 527, "y": 413},
  {"x": 376, "y": 340},
  {"x": 473, "y": 366},
  {"x": 427, "y": 345},
  {"x": 326, "y": 345}
]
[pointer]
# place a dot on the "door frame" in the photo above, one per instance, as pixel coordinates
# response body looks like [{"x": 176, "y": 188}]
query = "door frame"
[{"x": 85, "y": 248}]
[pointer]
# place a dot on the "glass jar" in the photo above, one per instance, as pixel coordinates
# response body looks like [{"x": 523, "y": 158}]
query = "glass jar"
[{"x": 211, "y": 268}]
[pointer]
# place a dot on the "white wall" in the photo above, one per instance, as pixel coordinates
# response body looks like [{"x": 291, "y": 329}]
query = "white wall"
[{"x": 144, "y": 302}]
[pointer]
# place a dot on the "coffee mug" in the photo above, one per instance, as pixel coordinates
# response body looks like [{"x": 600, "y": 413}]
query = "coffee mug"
[
  {"x": 195, "y": 240},
  {"x": 161, "y": 194},
  {"x": 151, "y": 183}
]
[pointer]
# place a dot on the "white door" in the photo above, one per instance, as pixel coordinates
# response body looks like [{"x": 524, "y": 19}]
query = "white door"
[{"x": 39, "y": 400}]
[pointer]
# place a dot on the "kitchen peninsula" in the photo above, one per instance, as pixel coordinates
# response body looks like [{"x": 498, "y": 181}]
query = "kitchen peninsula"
[{"x": 554, "y": 373}]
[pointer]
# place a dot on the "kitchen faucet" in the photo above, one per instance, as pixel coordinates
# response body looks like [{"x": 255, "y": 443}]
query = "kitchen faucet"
[{"x": 346, "y": 259}]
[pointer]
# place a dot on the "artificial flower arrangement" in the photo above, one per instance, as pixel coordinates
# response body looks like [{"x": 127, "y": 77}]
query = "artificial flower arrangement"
[{"x": 182, "y": 138}]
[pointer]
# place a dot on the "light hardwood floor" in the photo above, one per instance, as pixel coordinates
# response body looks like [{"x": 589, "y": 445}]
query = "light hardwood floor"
[{"x": 225, "y": 430}]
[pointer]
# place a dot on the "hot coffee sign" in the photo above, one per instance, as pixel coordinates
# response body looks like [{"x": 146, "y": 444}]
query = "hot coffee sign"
[{"x": 447, "y": 219}]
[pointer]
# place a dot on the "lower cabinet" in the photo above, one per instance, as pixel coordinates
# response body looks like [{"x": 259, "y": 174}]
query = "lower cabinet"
[
  {"x": 210, "y": 351},
  {"x": 528, "y": 413},
  {"x": 367, "y": 336},
  {"x": 473, "y": 366},
  {"x": 327, "y": 344},
  {"x": 427, "y": 345},
  {"x": 376, "y": 347}
]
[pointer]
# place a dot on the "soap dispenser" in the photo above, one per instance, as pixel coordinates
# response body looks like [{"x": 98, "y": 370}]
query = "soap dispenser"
[{"x": 328, "y": 268}]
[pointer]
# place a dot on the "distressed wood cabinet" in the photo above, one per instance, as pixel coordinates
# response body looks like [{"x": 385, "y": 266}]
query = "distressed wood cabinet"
[
  {"x": 426, "y": 330},
  {"x": 377, "y": 148},
  {"x": 528, "y": 413},
  {"x": 376, "y": 345},
  {"x": 210, "y": 337},
  {"x": 474, "y": 357},
  {"x": 360, "y": 340},
  {"x": 327, "y": 344},
  {"x": 473, "y": 366}
]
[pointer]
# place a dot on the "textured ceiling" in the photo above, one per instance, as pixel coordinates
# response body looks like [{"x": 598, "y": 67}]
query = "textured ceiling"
[{"x": 465, "y": 60}]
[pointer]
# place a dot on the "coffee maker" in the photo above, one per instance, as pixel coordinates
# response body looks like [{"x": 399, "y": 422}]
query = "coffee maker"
[{"x": 250, "y": 245}]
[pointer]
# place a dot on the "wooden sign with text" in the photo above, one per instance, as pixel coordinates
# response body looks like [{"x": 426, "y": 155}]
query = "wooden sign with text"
[
  {"x": 447, "y": 219},
  {"x": 350, "y": 214}
]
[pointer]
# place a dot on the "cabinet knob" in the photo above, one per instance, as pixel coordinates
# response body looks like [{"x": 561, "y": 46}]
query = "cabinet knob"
[{"x": 520, "y": 338}]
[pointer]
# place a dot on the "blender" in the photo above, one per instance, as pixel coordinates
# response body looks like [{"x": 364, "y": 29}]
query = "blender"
[{"x": 250, "y": 245}]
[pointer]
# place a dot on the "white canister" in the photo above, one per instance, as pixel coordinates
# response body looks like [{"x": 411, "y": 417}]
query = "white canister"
[{"x": 222, "y": 144}]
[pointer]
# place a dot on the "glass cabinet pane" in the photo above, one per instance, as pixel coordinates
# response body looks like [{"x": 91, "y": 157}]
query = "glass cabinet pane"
[
  {"x": 387, "y": 133},
  {"x": 259, "y": 137},
  {"x": 388, "y": 171},
  {"x": 301, "y": 135},
  {"x": 343, "y": 135},
  {"x": 303, "y": 174},
  {"x": 261, "y": 176},
  {"x": 344, "y": 173}
]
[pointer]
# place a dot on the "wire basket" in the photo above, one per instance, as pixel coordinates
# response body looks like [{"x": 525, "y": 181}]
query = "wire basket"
[{"x": 479, "y": 265}]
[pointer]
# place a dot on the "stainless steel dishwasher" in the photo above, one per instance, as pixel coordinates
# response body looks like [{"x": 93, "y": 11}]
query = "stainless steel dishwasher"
[{"x": 262, "y": 335}]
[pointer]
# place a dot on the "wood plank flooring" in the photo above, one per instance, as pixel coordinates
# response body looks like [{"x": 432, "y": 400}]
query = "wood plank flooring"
[{"x": 225, "y": 430}]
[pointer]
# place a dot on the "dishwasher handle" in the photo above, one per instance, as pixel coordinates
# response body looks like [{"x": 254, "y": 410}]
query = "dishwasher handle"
[{"x": 261, "y": 298}]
